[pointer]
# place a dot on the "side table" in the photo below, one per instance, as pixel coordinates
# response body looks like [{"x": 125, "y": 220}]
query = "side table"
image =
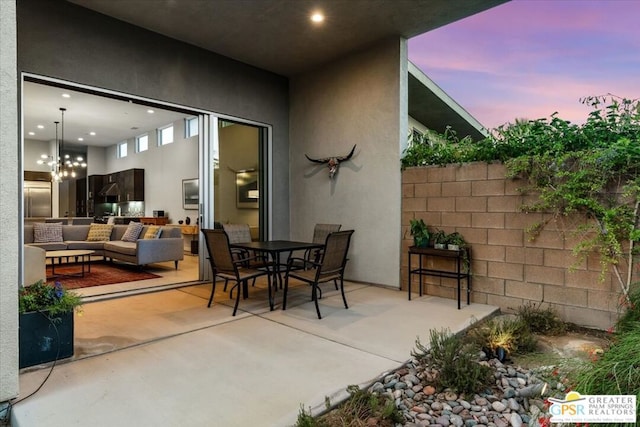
[
  {"x": 461, "y": 259},
  {"x": 191, "y": 230}
]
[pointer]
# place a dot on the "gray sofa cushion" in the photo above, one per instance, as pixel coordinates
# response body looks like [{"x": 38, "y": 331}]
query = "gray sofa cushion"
[
  {"x": 75, "y": 232},
  {"x": 122, "y": 247},
  {"x": 81, "y": 244}
]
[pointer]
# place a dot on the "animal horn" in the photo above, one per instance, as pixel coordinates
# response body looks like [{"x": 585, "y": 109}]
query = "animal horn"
[
  {"x": 316, "y": 160},
  {"x": 342, "y": 159}
]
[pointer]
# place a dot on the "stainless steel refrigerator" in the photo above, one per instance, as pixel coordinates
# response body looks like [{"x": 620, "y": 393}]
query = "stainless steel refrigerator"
[{"x": 37, "y": 199}]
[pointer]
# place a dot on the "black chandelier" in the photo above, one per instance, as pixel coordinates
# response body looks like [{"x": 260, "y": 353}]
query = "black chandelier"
[{"x": 61, "y": 163}]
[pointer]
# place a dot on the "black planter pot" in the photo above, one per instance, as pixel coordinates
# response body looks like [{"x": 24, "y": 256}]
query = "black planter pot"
[{"x": 43, "y": 339}]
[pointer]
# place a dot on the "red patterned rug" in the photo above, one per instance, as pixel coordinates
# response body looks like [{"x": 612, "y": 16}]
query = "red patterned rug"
[{"x": 101, "y": 274}]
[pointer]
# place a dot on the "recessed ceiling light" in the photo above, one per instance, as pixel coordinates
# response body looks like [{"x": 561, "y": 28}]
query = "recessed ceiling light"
[
  {"x": 81, "y": 139},
  {"x": 66, "y": 95},
  {"x": 317, "y": 17},
  {"x": 32, "y": 133},
  {"x": 150, "y": 111},
  {"x": 40, "y": 127},
  {"x": 92, "y": 133}
]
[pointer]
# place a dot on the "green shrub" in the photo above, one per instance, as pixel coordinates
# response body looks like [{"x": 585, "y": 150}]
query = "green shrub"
[
  {"x": 360, "y": 406},
  {"x": 511, "y": 334},
  {"x": 616, "y": 371},
  {"x": 630, "y": 318},
  {"x": 455, "y": 360},
  {"x": 542, "y": 321}
]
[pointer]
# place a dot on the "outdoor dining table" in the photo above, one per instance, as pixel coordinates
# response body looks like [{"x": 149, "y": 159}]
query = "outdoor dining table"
[{"x": 275, "y": 248}]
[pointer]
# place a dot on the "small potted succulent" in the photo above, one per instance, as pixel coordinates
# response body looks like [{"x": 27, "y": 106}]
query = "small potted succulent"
[
  {"x": 420, "y": 233},
  {"x": 440, "y": 239},
  {"x": 455, "y": 241}
]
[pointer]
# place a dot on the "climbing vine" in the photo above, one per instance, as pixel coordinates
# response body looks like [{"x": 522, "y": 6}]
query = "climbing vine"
[
  {"x": 588, "y": 174},
  {"x": 592, "y": 170}
]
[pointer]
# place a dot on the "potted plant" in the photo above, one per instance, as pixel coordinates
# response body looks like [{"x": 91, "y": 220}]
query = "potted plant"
[
  {"x": 440, "y": 239},
  {"x": 455, "y": 241},
  {"x": 45, "y": 323},
  {"x": 420, "y": 233}
]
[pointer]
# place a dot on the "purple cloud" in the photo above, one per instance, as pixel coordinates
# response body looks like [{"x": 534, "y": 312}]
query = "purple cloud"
[{"x": 528, "y": 59}]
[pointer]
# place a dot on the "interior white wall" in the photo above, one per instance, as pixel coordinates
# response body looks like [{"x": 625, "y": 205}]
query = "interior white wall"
[
  {"x": 357, "y": 100},
  {"x": 164, "y": 169},
  {"x": 238, "y": 150}
]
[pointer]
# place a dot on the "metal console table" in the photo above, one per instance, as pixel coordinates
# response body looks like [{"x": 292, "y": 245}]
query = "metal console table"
[{"x": 462, "y": 267}]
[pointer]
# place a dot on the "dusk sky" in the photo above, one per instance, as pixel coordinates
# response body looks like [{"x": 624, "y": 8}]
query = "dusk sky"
[{"x": 530, "y": 58}]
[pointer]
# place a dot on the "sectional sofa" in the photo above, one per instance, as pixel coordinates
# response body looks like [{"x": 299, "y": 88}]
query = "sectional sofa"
[{"x": 168, "y": 246}]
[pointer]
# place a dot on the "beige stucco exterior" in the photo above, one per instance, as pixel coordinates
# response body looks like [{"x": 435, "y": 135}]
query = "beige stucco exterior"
[
  {"x": 331, "y": 110},
  {"x": 10, "y": 196}
]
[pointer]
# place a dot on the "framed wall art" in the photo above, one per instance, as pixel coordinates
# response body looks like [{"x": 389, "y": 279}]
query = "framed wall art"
[
  {"x": 247, "y": 193},
  {"x": 190, "y": 194}
]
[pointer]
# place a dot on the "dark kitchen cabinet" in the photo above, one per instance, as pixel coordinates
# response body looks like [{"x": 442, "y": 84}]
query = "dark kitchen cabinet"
[
  {"x": 81, "y": 197},
  {"x": 95, "y": 183},
  {"x": 131, "y": 184}
]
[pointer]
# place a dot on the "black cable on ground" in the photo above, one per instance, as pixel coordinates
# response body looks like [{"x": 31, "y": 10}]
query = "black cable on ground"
[{"x": 14, "y": 402}]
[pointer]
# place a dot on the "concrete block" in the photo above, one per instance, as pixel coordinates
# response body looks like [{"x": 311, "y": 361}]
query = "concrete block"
[
  {"x": 441, "y": 204},
  {"x": 454, "y": 219},
  {"x": 546, "y": 275},
  {"x": 441, "y": 174},
  {"x": 546, "y": 239},
  {"x": 525, "y": 290},
  {"x": 562, "y": 258},
  {"x": 505, "y": 270},
  {"x": 487, "y": 188},
  {"x": 408, "y": 190},
  {"x": 488, "y": 252},
  {"x": 414, "y": 204},
  {"x": 488, "y": 285},
  {"x": 503, "y": 204},
  {"x": 565, "y": 296},
  {"x": 453, "y": 189},
  {"x": 472, "y": 172},
  {"x": 414, "y": 174},
  {"x": 585, "y": 279},
  {"x": 428, "y": 189},
  {"x": 506, "y": 237},
  {"x": 471, "y": 204},
  {"x": 473, "y": 236},
  {"x": 590, "y": 318},
  {"x": 487, "y": 220},
  {"x": 602, "y": 300},
  {"x": 506, "y": 304},
  {"x": 496, "y": 171}
]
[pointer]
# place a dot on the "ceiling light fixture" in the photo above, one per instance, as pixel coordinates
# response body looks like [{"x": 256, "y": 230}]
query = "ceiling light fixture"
[
  {"x": 61, "y": 163},
  {"x": 317, "y": 17}
]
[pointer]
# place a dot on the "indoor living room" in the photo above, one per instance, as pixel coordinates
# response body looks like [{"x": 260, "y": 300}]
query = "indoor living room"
[{"x": 158, "y": 148}]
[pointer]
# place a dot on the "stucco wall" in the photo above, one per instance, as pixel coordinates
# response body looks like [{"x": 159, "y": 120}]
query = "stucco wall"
[
  {"x": 62, "y": 40},
  {"x": 508, "y": 268},
  {"x": 10, "y": 196},
  {"x": 353, "y": 101}
]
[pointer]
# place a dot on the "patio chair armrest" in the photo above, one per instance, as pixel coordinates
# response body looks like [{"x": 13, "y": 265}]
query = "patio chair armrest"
[{"x": 304, "y": 262}]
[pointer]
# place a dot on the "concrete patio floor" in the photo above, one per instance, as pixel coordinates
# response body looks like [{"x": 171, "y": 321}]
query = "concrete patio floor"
[{"x": 165, "y": 359}]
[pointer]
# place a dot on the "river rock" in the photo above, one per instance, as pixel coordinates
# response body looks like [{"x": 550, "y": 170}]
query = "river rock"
[{"x": 498, "y": 406}]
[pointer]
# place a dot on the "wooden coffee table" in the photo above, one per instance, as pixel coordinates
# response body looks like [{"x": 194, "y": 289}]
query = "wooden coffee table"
[{"x": 82, "y": 256}]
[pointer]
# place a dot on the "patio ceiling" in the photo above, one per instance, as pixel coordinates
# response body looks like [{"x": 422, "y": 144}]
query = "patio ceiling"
[{"x": 277, "y": 35}]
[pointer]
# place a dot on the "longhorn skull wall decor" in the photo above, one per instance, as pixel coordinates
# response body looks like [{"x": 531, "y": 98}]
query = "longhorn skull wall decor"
[{"x": 333, "y": 162}]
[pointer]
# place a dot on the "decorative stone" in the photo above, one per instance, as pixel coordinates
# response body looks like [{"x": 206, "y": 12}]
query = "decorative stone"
[
  {"x": 515, "y": 420},
  {"x": 498, "y": 406},
  {"x": 429, "y": 390}
]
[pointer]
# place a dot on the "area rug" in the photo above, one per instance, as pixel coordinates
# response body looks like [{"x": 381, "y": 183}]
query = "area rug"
[{"x": 101, "y": 274}]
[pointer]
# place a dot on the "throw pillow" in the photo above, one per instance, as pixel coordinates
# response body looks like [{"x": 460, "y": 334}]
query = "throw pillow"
[
  {"x": 47, "y": 232},
  {"x": 99, "y": 232},
  {"x": 153, "y": 232},
  {"x": 133, "y": 232}
]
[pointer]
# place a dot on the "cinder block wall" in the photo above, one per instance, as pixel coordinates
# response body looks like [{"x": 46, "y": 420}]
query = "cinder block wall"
[{"x": 508, "y": 268}]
